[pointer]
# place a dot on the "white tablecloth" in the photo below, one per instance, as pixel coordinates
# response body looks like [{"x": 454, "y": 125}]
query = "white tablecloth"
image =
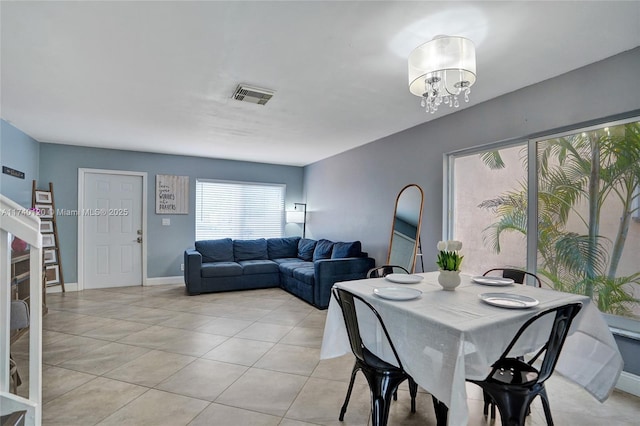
[{"x": 444, "y": 337}]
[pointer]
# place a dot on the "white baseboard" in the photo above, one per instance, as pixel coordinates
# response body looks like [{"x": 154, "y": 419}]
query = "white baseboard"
[
  {"x": 178, "y": 279},
  {"x": 58, "y": 288},
  {"x": 629, "y": 383}
]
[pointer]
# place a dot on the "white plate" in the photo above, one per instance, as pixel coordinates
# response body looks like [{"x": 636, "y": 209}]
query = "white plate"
[
  {"x": 495, "y": 281},
  {"x": 404, "y": 278},
  {"x": 508, "y": 300},
  {"x": 397, "y": 293}
]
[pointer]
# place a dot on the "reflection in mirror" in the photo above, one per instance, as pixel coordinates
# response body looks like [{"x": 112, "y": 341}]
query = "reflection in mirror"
[{"x": 405, "y": 231}]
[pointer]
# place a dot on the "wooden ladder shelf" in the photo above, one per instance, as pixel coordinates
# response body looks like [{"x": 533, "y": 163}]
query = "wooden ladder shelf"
[{"x": 43, "y": 200}]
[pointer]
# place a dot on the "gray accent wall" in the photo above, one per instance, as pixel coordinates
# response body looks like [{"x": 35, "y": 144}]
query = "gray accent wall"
[
  {"x": 629, "y": 349},
  {"x": 352, "y": 195},
  {"x": 165, "y": 244},
  {"x": 19, "y": 152}
]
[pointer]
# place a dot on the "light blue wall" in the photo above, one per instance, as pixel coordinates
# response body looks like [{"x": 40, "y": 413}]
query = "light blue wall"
[
  {"x": 60, "y": 164},
  {"x": 20, "y": 152},
  {"x": 352, "y": 195}
]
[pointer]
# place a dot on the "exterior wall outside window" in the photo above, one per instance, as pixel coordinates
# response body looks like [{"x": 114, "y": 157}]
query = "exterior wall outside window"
[{"x": 474, "y": 183}]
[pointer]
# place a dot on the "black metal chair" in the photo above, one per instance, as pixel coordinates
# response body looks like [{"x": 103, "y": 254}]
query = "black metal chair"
[
  {"x": 384, "y": 270},
  {"x": 516, "y": 275},
  {"x": 513, "y": 383},
  {"x": 383, "y": 377}
]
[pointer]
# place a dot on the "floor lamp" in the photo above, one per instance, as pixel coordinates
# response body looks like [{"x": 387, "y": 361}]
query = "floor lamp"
[{"x": 298, "y": 216}]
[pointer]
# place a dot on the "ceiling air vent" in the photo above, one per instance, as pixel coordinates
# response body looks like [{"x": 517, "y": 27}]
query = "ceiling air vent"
[{"x": 253, "y": 95}]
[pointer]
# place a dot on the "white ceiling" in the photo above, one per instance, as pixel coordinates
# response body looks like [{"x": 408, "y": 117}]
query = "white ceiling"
[{"x": 158, "y": 76}]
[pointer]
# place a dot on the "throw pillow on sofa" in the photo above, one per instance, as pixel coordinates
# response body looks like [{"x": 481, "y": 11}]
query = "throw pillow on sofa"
[
  {"x": 250, "y": 249},
  {"x": 323, "y": 250},
  {"x": 306, "y": 248},
  {"x": 342, "y": 250},
  {"x": 216, "y": 250}
]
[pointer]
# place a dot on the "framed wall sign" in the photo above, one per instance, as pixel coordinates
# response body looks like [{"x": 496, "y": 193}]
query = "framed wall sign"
[
  {"x": 172, "y": 194},
  {"x": 12, "y": 172}
]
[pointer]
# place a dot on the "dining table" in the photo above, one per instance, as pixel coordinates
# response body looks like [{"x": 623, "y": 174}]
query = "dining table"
[{"x": 445, "y": 337}]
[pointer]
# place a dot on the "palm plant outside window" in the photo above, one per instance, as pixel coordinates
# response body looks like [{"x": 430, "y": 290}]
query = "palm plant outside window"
[
  {"x": 587, "y": 197},
  {"x": 588, "y": 218}
]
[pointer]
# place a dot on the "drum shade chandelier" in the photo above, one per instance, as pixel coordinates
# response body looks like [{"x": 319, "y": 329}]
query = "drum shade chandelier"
[{"x": 442, "y": 69}]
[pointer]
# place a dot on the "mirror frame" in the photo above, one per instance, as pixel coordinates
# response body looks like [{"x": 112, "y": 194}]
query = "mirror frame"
[{"x": 418, "y": 227}]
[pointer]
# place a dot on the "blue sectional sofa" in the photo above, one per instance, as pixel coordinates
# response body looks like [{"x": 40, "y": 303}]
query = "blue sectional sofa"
[{"x": 306, "y": 268}]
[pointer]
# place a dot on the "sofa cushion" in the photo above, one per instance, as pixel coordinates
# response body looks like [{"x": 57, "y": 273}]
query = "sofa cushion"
[
  {"x": 306, "y": 275},
  {"x": 279, "y": 248},
  {"x": 342, "y": 250},
  {"x": 306, "y": 248},
  {"x": 258, "y": 267},
  {"x": 250, "y": 249},
  {"x": 288, "y": 260},
  {"x": 216, "y": 250},
  {"x": 323, "y": 250},
  {"x": 220, "y": 269},
  {"x": 287, "y": 268}
]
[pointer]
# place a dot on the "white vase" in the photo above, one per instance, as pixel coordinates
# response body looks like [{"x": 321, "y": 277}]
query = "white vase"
[{"x": 449, "y": 280}]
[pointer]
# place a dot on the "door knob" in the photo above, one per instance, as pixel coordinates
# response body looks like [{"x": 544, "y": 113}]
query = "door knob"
[{"x": 139, "y": 240}]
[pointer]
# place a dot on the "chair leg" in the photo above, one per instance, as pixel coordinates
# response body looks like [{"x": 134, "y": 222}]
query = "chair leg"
[
  {"x": 14, "y": 375},
  {"x": 545, "y": 406},
  {"x": 488, "y": 403},
  {"x": 413, "y": 391},
  {"x": 343, "y": 410},
  {"x": 441, "y": 410},
  {"x": 382, "y": 389}
]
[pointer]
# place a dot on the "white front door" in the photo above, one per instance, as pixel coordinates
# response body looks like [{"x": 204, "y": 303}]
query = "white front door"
[{"x": 112, "y": 230}]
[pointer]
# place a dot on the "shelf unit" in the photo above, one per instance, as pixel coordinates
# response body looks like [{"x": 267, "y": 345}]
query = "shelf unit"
[{"x": 43, "y": 201}]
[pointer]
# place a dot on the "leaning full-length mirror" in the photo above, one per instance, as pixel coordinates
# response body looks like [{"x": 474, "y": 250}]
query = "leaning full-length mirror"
[{"x": 405, "y": 229}]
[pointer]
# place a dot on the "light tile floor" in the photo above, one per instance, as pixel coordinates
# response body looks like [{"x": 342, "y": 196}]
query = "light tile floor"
[{"x": 155, "y": 356}]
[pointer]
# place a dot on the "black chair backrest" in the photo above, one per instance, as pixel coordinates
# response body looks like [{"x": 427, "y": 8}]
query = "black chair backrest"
[
  {"x": 384, "y": 270},
  {"x": 563, "y": 316},
  {"x": 347, "y": 302},
  {"x": 516, "y": 275}
]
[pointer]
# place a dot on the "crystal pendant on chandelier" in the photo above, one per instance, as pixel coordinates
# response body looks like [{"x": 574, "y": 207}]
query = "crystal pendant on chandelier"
[{"x": 441, "y": 70}]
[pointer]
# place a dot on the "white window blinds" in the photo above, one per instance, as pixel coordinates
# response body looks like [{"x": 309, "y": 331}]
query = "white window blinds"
[{"x": 238, "y": 210}]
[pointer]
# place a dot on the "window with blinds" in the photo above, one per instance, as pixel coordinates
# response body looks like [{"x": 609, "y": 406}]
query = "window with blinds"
[{"x": 238, "y": 210}]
